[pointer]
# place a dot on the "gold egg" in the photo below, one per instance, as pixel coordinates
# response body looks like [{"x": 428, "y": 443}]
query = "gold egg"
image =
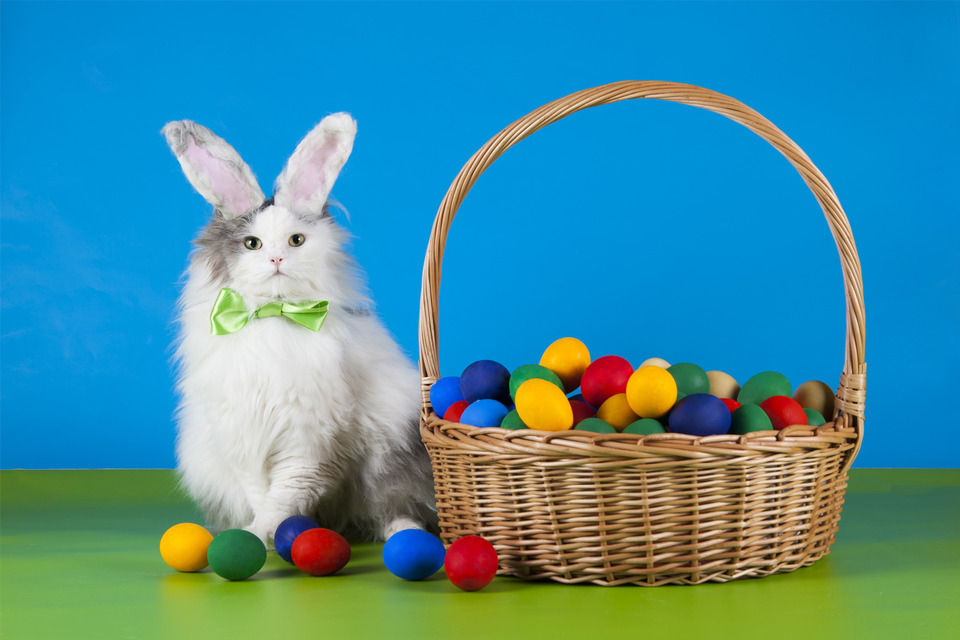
[
  {"x": 723, "y": 385},
  {"x": 655, "y": 362},
  {"x": 814, "y": 394}
]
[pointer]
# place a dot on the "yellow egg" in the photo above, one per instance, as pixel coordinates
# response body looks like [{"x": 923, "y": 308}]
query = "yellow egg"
[
  {"x": 651, "y": 391},
  {"x": 184, "y": 547},
  {"x": 617, "y": 412},
  {"x": 814, "y": 394},
  {"x": 542, "y": 405},
  {"x": 655, "y": 362},
  {"x": 723, "y": 385},
  {"x": 568, "y": 358}
]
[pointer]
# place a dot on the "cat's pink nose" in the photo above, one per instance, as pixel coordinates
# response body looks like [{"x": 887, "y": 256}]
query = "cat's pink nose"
[{"x": 277, "y": 260}]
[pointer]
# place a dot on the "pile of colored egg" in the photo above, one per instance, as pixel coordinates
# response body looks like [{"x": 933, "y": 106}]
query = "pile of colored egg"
[
  {"x": 412, "y": 554},
  {"x": 237, "y": 554},
  {"x": 615, "y": 397}
]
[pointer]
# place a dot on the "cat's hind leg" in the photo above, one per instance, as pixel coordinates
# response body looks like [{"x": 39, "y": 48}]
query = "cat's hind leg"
[{"x": 397, "y": 492}]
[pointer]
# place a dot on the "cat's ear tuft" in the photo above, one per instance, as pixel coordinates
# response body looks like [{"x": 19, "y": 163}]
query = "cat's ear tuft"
[
  {"x": 214, "y": 168},
  {"x": 307, "y": 179}
]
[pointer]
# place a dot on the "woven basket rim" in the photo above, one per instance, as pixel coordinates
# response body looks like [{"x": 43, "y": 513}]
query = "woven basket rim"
[
  {"x": 850, "y": 393},
  {"x": 573, "y": 443}
]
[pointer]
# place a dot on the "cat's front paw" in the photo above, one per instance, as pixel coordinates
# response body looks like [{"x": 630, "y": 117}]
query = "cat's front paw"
[
  {"x": 264, "y": 528},
  {"x": 399, "y": 524}
]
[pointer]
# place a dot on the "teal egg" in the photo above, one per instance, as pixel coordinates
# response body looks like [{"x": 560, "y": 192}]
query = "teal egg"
[
  {"x": 646, "y": 427},
  {"x": 529, "y": 371},
  {"x": 596, "y": 425},
  {"x": 513, "y": 422},
  {"x": 690, "y": 379},
  {"x": 749, "y": 417},
  {"x": 764, "y": 385},
  {"x": 814, "y": 419}
]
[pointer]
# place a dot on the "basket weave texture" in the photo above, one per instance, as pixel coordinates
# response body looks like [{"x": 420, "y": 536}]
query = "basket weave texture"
[{"x": 615, "y": 509}]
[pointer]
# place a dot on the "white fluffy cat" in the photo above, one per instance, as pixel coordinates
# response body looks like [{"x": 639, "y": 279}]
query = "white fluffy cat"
[{"x": 277, "y": 419}]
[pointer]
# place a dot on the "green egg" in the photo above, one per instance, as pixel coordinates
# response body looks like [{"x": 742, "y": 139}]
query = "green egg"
[
  {"x": 513, "y": 422},
  {"x": 646, "y": 427},
  {"x": 596, "y": 425},
  {"x": 749, "y": 417},
  {"x": 764, "y": 385},
  {"x": 529, "y": 371},
  {"x": 236, "y": 554},
  {"x": 814, "y": 419},
  {"x": 690, "y": 378}
]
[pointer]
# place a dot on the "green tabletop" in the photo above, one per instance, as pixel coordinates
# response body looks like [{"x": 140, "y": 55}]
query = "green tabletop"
[{"x": 79, "y": 559}]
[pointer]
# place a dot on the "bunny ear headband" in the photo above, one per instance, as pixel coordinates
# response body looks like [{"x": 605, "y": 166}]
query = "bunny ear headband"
[{"x": 221, "y": 176}]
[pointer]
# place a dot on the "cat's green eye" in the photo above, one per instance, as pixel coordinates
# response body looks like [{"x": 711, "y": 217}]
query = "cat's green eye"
[
  {"x": 296, "y": 240},
  {"x": 252, "y": 243}
]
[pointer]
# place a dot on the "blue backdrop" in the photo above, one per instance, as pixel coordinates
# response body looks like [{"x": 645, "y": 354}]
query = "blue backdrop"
[{"x": 643, "y": 228}]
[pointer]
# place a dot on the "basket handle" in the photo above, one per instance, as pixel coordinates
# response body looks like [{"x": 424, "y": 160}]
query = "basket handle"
[{"x": 850, "y": 392}]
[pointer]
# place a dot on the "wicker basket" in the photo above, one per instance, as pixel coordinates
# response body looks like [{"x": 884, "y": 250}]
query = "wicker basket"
[{"x": 614, "y": 509}]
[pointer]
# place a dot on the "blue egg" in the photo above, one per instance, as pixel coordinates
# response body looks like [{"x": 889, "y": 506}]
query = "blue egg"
[
  {"x": 484, "y": 413},
  {"x": 485, "y": 379},
  {"x": 444, "y": 392},
  {"x": 413, "y": 554},
  {"x": 700, "y": 414},
  {"x": 287, "y": 532}
]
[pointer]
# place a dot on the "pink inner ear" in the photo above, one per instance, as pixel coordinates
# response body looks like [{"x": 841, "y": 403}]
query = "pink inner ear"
[
  {"x": 313, "y": 178},
  {"x": 225, "y": 185}
]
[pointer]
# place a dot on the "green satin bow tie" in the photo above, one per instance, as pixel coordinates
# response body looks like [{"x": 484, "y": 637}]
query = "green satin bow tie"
[{"x": 230, "y": 314}]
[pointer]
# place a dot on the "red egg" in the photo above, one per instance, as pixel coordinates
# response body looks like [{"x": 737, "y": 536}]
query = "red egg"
[
  {"x": 320, "y": 552},
  {"x": 604, "y": 378},
  {"x": 783, "y": 411},
  {"x": 581, "y": 411},
  {"x": 732, "y": 404},
  {"x": 455, "y": 411},
  {"x": 471, "y": 563}
]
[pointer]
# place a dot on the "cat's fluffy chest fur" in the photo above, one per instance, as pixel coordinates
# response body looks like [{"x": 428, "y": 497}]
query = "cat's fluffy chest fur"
[
  {"x": 275, "y": 390},
  {"x": 276, "y": 419}
]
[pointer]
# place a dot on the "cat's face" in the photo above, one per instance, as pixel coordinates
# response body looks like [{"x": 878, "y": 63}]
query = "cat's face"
[
  {"x": 272, "y": 253},
  {"x": 267, "y": 251}
]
